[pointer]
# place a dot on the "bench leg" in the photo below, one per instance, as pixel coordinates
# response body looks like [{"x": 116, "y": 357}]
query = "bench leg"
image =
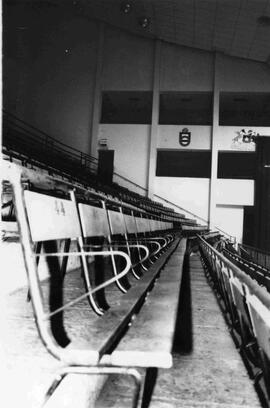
[
  {"x": 99, "y": 272},
  {"x": 149, "y": 385}
]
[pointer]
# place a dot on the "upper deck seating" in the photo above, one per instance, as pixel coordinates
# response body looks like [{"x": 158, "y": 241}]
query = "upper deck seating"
[{"x": 32, "y": 147}]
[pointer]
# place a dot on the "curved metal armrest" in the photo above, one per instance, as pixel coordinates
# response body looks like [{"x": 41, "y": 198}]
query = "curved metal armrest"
[
  {"x": 124, "y": 244},
  {"x": 170, "y": 237},
  {"x": 147, "y": 253},
  {"x": 152, "y": 241},
  {"x": 159, "y": 239},
  {"x": 97, "y": 288},
  {"x": 42, "y": 318}
]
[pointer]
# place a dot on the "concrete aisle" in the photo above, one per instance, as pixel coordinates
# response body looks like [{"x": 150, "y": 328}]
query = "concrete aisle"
[{"x": 212, "y": 375}]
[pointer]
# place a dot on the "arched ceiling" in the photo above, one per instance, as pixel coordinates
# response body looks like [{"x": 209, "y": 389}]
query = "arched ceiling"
[{"x": 238, "y": 28}]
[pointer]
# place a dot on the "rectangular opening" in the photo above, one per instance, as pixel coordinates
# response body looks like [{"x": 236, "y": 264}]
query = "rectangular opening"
[
  {"x": 183, "y": 163},
  {"x": 244, "y": 109},
  {"x": 189, "y": 108},
  {"x": 126, "y": 107},
  {"x": 236, "y": 165}
]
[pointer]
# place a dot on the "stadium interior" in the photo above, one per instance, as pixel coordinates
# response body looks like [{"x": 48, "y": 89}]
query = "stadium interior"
[{"x": 135, "y": 222}]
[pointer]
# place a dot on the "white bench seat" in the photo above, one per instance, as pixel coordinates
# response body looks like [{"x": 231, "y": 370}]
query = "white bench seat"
[{"x": 149, "y": 341}]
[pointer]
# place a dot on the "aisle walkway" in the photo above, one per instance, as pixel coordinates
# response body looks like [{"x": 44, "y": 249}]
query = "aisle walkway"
[{"x": 212, "y": 375}]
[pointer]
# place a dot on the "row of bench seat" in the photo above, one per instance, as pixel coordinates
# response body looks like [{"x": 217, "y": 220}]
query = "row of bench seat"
[
  {"x": 106, "y": 230},
  {"x": 90, "y": 180},
  {"x": 246, "y": 306}
]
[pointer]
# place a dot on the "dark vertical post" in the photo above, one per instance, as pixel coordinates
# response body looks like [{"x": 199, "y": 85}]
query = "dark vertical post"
[
  {"x": 149, "y": 385},
  {"x": 262, "y": 194},
  {"x": 105, "y": 165}
]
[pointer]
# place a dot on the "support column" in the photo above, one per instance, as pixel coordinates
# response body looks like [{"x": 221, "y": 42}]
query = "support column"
[
  {"x": 154, "y": 124},
  {"x": 214, "y": 146},
  {"x": 97, "y": 93}
]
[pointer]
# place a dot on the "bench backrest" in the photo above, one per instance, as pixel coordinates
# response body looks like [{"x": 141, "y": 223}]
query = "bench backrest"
[
  {"x": 94, "y": 220},
  {"x": 153, "y": 224},
  {"x": 51, "y": 218},
  {"x": 239, "y": 298},
  {"x": 130, "y": 224},
  {"x": 260, "y": 317},
  {"x": 141, "y": 224},
  {"x": 227, "y": 283},
  {"x": 116, "y": 222}
]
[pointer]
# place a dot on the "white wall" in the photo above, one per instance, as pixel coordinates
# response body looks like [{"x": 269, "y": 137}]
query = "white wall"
[
  {"x": 230, "y": 219},
  {"x": 168, "y": 137},
  {"x": 128, "y": 65},
  {"x": 189, "y": 193},
  {"x": 235, "y": 192},
  {"x": 131, "y": 144}
]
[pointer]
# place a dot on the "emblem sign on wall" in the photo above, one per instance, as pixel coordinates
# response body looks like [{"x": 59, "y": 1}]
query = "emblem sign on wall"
[
  {"x": 184, "y": 137},
  {"x": 245, "y": 140}
]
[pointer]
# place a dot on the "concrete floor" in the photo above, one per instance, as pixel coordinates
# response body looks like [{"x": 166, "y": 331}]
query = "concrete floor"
[{"x": 212, "y": 375}]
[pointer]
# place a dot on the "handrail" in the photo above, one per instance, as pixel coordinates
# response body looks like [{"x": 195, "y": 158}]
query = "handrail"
[
  {"x": 231, "y": 237},
  {"x": 8, "y": 115},
  {"x": 180, "y": 208},
  {"x": 130, "y": 181}
]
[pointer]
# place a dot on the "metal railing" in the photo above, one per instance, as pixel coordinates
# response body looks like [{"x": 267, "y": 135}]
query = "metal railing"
[
  {"x": 26, "y": 139},
  {"x": 129, "y": 184},
  {"x": 197, "y": 217}
]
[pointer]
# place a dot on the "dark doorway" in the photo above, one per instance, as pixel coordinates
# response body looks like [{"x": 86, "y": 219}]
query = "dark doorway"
[
  {"x": 105, "y": 165},
  {"x": 248, "y": 226},
  {"x": 262, "y": 194}
]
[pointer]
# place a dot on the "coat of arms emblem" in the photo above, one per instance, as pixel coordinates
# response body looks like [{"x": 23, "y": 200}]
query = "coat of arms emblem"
[{"x": 184, "y": 137}]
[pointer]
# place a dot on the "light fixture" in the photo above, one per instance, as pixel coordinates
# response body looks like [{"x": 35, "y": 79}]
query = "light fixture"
[
  {"x": 126, "y": 7},
  {"x": 144, "y": 22}
]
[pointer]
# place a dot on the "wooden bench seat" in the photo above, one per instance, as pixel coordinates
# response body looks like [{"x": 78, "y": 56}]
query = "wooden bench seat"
[
  {"x": 150, "y": 344},
  {"x": 108, "y": 327}
]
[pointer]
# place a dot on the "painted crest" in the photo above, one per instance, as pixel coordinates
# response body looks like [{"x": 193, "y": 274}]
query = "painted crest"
[
  {"x": 184, "y": 137},
  {"x": 245, "y": 140}
]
